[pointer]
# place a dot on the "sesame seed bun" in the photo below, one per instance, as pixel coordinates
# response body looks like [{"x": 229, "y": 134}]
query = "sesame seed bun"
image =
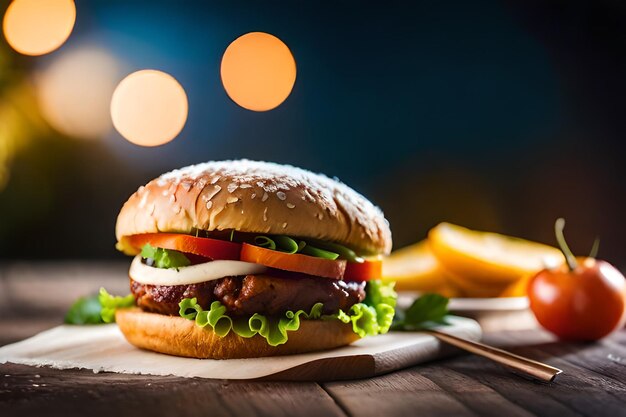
[
  {"x": 257, "y": 197},
  {"x": 181, "y": 337}
]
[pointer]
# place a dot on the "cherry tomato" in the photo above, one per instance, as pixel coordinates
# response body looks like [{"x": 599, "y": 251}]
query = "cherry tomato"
[
  {"x": 584, "y": 303},
  {"x": 202, "y": 246},
  {"x": 293, "y": 262},
  {"x": 364, "y": 271}
]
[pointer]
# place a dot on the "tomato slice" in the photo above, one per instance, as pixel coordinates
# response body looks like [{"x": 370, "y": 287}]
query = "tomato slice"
[
  {"x": 293, "y": 262},
  {"x": 202, "y": 246},
  {"x": 364, "y": 271}
]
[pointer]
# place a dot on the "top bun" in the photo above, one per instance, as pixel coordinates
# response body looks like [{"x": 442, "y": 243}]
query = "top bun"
[{"x": 257, "y": 197}]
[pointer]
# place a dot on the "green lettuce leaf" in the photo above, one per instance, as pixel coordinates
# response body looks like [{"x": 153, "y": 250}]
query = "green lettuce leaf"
[
  {"x": 378, "y": 292},
  {"x": 428, "y": 311},
  {"x": 110, "y": 303},
  {"x": 85, "y": 310},
  {"x": 375, "y": 314},
  {"x": 97, "y": 309},
  {"x": 367, "y": 319},
  {"x": 164, "y": 258}
]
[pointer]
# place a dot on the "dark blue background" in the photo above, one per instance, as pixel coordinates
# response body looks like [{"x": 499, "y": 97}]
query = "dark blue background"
[{"x": 496, "y": 115}]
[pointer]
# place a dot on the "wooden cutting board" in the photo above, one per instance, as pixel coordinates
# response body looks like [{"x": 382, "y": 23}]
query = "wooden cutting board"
[{"x": 104, "y": 349}]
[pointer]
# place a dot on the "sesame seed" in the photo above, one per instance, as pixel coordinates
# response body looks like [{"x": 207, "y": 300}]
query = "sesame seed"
[
  {"x": 172, "y": 198},
  {"x": 186, "y": 186},
  {"x": 252, "y": 196},
  {"x": 284, "y": 225},
  {"x": 245, "y": 186},
  {"x": 260, "y": 183},
  {"x": 281, "y": 196},
  {"x": 143, "y": 200},
  {"x": 210, "y": 192},
  {"x": 177, "y": 208},
  {"x": 265, "y": 214},
  {"x": 215, "y": 179},
  {"x": 291, "y": 205},
  {"x": 320, "y": 216},
  {"x": 309, "y": 196},
  {"x": 265, "y": 196},
  {"x": 232, "y": 199},
  {"x": 232, "y": 187},
  {"x": 209, "y": 204}
]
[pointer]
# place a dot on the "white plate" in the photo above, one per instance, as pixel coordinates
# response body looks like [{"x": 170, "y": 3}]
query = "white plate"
[{"x": 405, "y": 298}]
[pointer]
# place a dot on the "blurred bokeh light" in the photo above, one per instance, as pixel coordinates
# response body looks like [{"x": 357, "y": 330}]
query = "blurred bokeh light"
[
  {"x": 74, "y": 91},
  {"x": 19, "y": 122},
  {"x": 149, "y": 108},
  {"x": 258, "y": 71},
  {"x": 37, "y": 27}
]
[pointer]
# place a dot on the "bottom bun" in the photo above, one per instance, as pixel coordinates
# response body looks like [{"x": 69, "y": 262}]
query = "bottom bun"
[{"x": 181, "y": 337}]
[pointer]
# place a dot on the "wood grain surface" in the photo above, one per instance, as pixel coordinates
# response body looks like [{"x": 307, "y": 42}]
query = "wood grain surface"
[{"x": 33, "y": 297}]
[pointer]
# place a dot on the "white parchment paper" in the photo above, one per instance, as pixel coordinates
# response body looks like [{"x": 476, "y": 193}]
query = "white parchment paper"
[{"x": 104, "y": 349}]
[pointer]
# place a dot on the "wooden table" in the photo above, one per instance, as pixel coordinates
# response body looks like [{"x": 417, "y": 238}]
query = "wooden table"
[{"x": 34, "y": 298}]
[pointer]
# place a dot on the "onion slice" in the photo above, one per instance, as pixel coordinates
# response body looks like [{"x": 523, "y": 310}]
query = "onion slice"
[{"x": 192, "y": 274}]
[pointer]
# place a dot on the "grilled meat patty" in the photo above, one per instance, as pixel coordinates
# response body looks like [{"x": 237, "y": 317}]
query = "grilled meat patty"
[{"x": 246, "y": 295}]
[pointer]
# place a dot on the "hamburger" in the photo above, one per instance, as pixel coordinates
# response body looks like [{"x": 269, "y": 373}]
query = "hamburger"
[{"x": 240, "y": 259}]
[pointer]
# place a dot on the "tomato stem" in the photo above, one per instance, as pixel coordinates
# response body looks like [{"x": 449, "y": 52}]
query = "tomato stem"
[
  {"x": 559, "y": 225},
  {"x": 594, "y": 248}
]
